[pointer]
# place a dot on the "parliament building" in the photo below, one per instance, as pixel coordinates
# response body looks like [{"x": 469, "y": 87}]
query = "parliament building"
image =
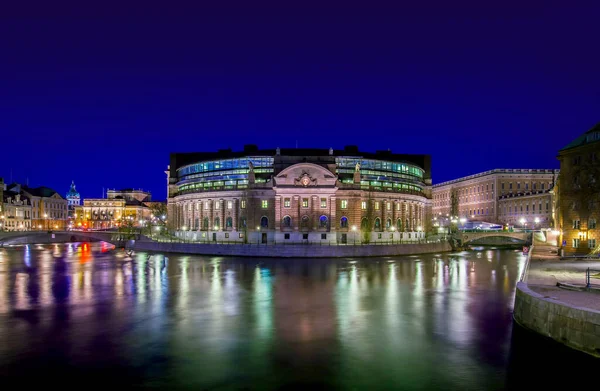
[{"x": 322, "y": 196}]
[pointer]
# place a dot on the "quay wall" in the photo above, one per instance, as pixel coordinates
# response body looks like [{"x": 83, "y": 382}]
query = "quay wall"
[{"x": 292, "y": 250}]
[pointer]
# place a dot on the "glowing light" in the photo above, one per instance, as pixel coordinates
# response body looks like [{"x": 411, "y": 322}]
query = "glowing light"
[{"x": 354, "y": 228}]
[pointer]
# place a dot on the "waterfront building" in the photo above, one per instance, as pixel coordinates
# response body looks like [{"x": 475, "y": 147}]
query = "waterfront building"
[
  {"x": 579, "y": 192},
  {"x": 16, "y": 211},
  {"x": 48, "y": 208},
  {"x": 299, "y": 195},
  {"x": 120, "y": 206},
  {"x": 519, "y": 197}
]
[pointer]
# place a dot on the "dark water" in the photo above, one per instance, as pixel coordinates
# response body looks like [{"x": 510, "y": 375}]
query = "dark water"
[{"x": 77, "y": 316}]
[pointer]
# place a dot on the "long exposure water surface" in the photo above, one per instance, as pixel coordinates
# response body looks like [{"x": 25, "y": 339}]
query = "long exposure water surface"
[{"x": 80, "y": 315}]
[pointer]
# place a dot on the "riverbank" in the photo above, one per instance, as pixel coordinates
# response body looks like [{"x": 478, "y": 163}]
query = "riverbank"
[
  {"x": 292, "y": 250},
  {"x": 569, "y": 317}
]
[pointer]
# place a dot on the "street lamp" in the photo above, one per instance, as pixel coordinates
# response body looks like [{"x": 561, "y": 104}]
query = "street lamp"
[
  {"x": 536, "y": 221},
  {"x": 354, "y": 235},
  {"x": 522, "y": 221}
]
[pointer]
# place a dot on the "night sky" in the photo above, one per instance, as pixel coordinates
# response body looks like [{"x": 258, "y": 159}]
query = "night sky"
[{"x": 103, "y": 95}]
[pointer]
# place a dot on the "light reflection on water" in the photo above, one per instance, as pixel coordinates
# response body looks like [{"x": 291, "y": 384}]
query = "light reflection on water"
[{"x": 420, "y": 322}]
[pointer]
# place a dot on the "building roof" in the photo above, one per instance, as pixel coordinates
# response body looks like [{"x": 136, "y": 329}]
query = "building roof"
[
  {"x": 73, "y": 193},
  {"x": 584, "y": 138},
  {"x": 182, "y": 159},
  {"x": 41, "y": 191},
  {"x": 499, "y": 171}
]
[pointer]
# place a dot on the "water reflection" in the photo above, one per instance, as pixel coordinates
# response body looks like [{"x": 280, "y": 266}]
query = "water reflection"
[{"x": 420, "y": 322}]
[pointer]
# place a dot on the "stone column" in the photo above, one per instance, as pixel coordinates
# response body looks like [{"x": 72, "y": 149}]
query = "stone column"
[
  {"x": 234, "y": 213},
  {"x": 278, "y": 216},
  {"x": 297, "y": 205},
  {"x": 211, "y": 210},
  {"x": 314, "y": 204},
  {"x": 332, "y": 214},
  {"x": 222, "y": 207}
]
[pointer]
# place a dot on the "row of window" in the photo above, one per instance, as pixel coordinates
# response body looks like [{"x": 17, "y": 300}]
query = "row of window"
[
  {"x": 226, "y": 164},
  {"x": 591, "y": 224},
  {"x": 380, "y": 165},
  {"x": 591, "y": 243},
  {"x": 514, "y": 209},
  {"x": 534, "y": 186}
]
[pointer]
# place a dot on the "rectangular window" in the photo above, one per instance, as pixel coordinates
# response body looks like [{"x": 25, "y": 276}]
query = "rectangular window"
[
  {"x": 518, "y": 185},
  {"x": 576, "y": 243},
  {"x": 217, "y": 204},
  {"x": 264, "y": 204},
  {"x": 305, "y": 202},
  {"x": 502, "y": 185},
  {"x": 323, "y": 203},
  {"x": 376, "y": 205},
  {"x": 243, "y": 204},
  {"x": 363, "y": 205},
  {"x": 510, "y": 185},
  {"x": 226, "y": 235},
  {"x": 378, "y": 236},
  {"x": 323, "y": 236},
  {"x": 543, "y": 186},
  {"x": 229, "y": 204},
  {"x": 286, "y": 236},
  {"x": 241, "y": 234},
  {"x": 287, "y": 203},
  {"x": 576, "y": 224},
  {"x": 592, "y": 224},
  {"x": 304, "y": 236},
  {"x": 206, "y": 205},
  {"x": 398, "y": 206},
  {"x": 344, "y": 204},
  {"x": 592, "y": 243},
  {"x": 389, "y": 206}
]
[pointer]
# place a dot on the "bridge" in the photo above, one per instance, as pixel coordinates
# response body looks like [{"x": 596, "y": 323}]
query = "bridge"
[
  {"x": 494, "y": 237},
  {"x": 38, "y": 237}
]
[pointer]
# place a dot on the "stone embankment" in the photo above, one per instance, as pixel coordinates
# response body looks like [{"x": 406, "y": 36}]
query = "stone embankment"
[
  {"x": 292, "y": 250},
  {"x": 569, "y": 317}
]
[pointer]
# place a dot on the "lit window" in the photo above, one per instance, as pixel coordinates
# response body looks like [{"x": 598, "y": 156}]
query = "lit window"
[
  {"x": 286, "y": 203},
  {"x": 389, "y": 206},
  {"x": 592, "y": 243},
  {"x": 305, "y": 202},
  {"x": 229, "y": 204},
  {"x": 376, "y": 205},
  {"x": 576, "y": 243},
  {"x": 206, "y": 205},
  {"x": 323, "y": 202},
  {"x": 363, "y": 205},
  {"x": 344, "y": 204},
  {"x": 265, "y": 204},
  {"x": 576, "y": 224},
  {"x": 592, "y": 224},
  {"x": 217, "y": 204},
  {"x": 243, "y": 204}
]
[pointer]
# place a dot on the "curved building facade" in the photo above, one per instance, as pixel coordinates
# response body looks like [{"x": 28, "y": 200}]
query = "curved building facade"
[{"x": 299, "y": 196}]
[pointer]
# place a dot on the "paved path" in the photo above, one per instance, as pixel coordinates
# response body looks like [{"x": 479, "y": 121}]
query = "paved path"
[{"x": 546, "y": 269}]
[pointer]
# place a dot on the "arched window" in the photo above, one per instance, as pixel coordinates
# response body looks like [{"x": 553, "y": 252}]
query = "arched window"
[
  {"x": 399, "y": 225},
  {"x": 217, "y": 223},
  {"x": 323, "y": 221},
  {"x": 264, "y": 222},
  {"x": 388, "y": 224},
  {"x": 304, "y": 222},
  {"x": 364, "y": 224},
  {"x": 286, "y": 222},
  {"x": 407, "y": 225},
  {"x": 205, "y": 223},
  {"x": 229, "y": 222},
  {"x": 243, "y": 222},
  {"x": 377, "y": 224},
  {"x": 344, "y": 222}
]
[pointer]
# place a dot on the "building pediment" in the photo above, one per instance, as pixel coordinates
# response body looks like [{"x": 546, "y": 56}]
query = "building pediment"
[{"x": 305, "y": 175}]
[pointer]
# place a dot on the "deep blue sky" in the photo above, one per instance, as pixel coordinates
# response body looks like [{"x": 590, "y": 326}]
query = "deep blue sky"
[{"x": 103, "y": 95}]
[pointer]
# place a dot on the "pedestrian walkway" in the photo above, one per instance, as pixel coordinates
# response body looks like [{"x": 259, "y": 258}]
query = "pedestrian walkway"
[{"x": 546, "y": 270}]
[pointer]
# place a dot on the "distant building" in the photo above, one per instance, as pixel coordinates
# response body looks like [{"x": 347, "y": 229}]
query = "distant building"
[
  {"x": 520, "y": 197},
  {"x": 73, "y": 200},
  {"x": 15, "y": 211},
  {"x": 579, "y": 192},
  {"x": 119, "y": 207},
  {"x": 49, "y": 209}
]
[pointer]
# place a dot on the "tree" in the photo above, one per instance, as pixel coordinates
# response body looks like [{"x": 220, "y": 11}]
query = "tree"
[{"x": 159, "y": 210}]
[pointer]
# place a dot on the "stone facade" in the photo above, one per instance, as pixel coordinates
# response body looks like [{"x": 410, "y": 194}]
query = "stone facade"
[
  {"x": 492, "y": 196},
  {"x": 299, "y": 196},
  {"x": 579, "y": 193},
  {"x": 120, "y": 207}
]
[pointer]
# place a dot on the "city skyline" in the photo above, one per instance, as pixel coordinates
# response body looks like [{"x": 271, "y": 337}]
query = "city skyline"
[{"x": 103, "y": 99}]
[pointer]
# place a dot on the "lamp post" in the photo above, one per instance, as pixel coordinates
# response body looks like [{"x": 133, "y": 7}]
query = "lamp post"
[
  {"x": 354, "y": 233},
  {"x": 393, "y": 230},
  {"x": 536, "y": 221},
  {"x": 523, "y": 222},
  {"x": 258, "y": 235}
]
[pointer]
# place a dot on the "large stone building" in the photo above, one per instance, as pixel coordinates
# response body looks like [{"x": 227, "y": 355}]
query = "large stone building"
[
  {"x": 579, "y": 192},
  {"x": 48, "y": 209},
  {"x": 120, "y": 207},
  {"x": 299, "y": 195},
  {"x": 520, "y": 197},
  {"x": 15, "y": 211}
]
